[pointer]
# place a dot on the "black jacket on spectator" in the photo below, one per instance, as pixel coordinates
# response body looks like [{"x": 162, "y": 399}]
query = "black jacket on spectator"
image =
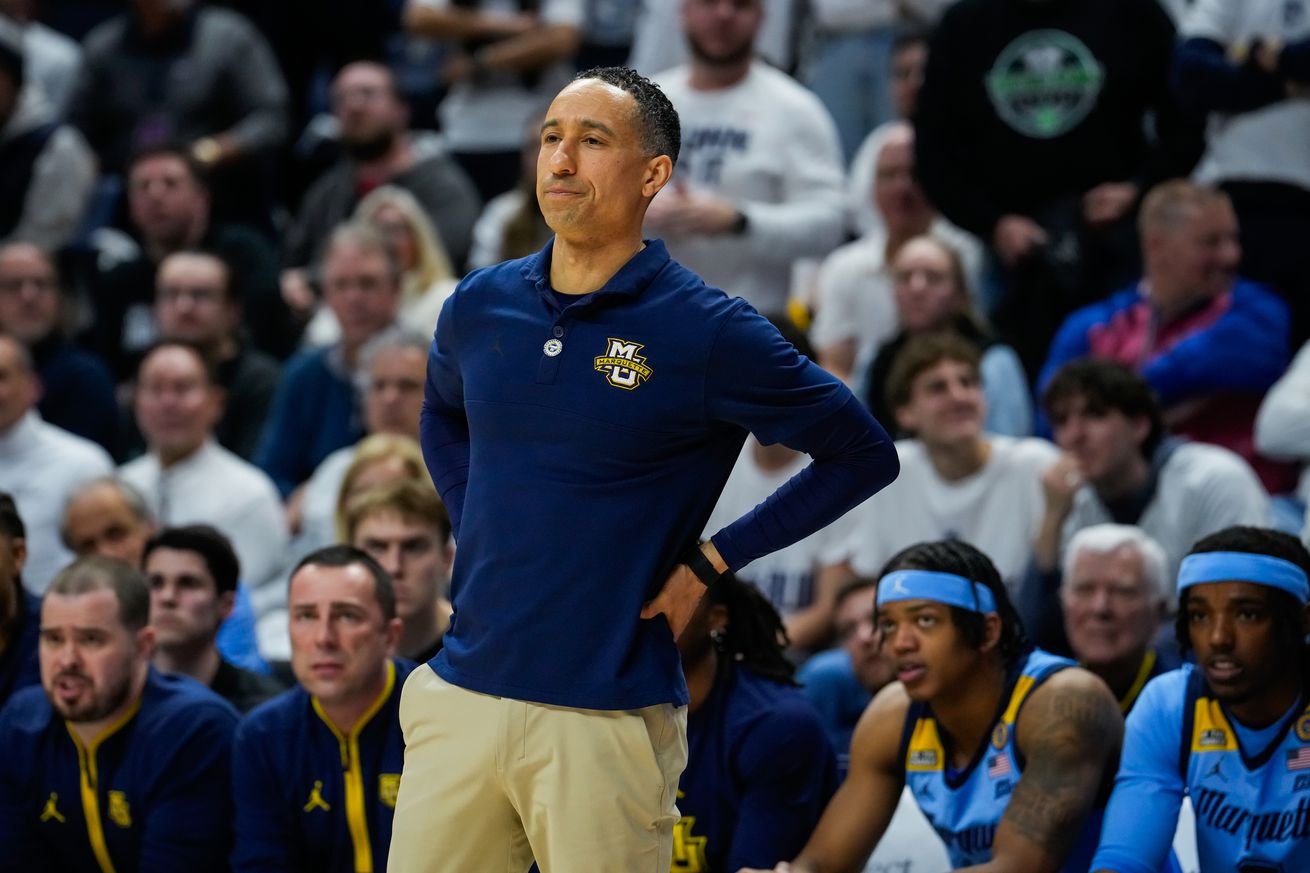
[
  {"x": 123, "y": 297},
  {"x": 1026, "y": 103},
  {"x": 77, "y": 391},
  {"x": 444, "y": 190},
  {"x": 250, "y": 381},
  {"x": 242, "y": 688}
]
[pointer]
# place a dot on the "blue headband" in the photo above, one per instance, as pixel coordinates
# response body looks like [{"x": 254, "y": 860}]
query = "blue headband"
[
  {"x": 1243, "y": 567},
  {"x": 942, "y": 587}
]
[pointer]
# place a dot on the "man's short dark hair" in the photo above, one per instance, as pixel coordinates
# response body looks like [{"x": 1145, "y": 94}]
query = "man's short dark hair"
[
  {"x": 345, "y": 556},
  {"x": 169, "y": 149},
  {"x": 1105, "y": 386},
  {"x": 207, "y": 542},
  {"x": 11, "y": 523},
  {"x": 913, "y": 36},
  {"x": 1285, "y": 609},
  {"x": 962, "y": 559},
  {"x": 94, "y": 573},
  {"x": 661, "y": 133},
  {"x": 231, "y": 291},
  {"x": 920, "y": 354},
  {"x": 853, "y": 586},
  {"x": 207, "y": 364}
]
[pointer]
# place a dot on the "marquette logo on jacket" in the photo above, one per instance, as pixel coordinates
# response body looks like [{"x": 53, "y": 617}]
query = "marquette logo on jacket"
[
  {"x": 388, "y": 788},
  {"x": 622, "y": 366}
]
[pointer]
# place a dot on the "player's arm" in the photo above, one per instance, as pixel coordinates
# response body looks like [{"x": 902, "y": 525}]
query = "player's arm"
[
  {"x": 1142, "y": 815},
  {"x": 443, "y": 424},
  {"x": 1069, "y": 733},
  {"x": 863, "y": 806}
]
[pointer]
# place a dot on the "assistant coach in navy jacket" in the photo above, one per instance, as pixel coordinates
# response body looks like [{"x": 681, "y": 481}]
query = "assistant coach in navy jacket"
[{"x": 584, "y": 408}]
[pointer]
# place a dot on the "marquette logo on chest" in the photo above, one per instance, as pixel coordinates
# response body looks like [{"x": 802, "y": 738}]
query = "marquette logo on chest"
[
  {"x": 120, "y": 813},
  {"x": 621, "y": 364}
]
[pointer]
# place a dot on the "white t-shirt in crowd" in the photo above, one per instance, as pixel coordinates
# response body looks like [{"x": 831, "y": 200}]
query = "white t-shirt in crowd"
[
  {"x": 786, "y": 576},
  {"x": 41, "y": 466},
  {"x": 1202, "y": 489},
  {"x": 999, "y": 509},
  {"x": 490, "y": 116},
  {"x": 768, "y": 146},
  {"x": 1267, "y": 144},
  {"x": 1282, "y": 429}
]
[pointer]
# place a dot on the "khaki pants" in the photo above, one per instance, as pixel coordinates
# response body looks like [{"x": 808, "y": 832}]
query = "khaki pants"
[{"x": 491, "y": 783}]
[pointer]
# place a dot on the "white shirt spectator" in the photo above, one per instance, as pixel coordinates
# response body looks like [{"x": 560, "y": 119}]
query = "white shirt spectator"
[
  {"x": 786, "y": 577},
  {"x": 855, "y": 299},
  {"x": 489, "y": 116},
  {"x": 489, "y": 231},
  {"x": 1202, "y": 489},
  {"x": 41, "y": 466},
  {"x": 1267, "y": 144},
  {"x": 658, "y": 42},
  {"x": 769, "y": 147},
  {"x": 214, "y": 486},
  {"x": 52, "y": 60},
  {"x": 318, "y": 516},
  {"x": 998, "y": 509},
  {"x": 1282, "y": 428}
]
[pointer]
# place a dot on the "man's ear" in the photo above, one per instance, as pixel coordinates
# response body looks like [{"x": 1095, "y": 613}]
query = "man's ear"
[
  {"x": 659, "y": 170},
  {"x": 227, "y": 601}
]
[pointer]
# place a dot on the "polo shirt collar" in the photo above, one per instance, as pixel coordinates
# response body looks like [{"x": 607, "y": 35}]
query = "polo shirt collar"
[{"x": 631, "y": 279}]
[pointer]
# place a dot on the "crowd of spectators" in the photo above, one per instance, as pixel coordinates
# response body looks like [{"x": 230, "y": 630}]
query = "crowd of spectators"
[{"x": 1058, "y": 248}]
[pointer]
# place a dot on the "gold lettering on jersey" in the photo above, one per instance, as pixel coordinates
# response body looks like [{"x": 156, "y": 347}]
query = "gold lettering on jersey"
[
  {"x": 120, "y": 813},
  {"x": 388, "y": 788},
  {"x": 621, "y": 365},
  {"x": 50, "y": 812},
  {"x": 316, "y": 800},
  {"x": 688, "y": 849}
]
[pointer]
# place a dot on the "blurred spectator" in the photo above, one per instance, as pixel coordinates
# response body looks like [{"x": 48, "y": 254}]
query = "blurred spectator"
[
  {"x": 759, "y": 767},
  {"x": 109, "y": 518},
  {"x": 108, "y": 741},
  {"x": 608, "y": 28},
  {"x": 908, "y": 60},
  {"x": 181, "y": 71},
  {"x": 1032, "y": 135},
  {"x": 196, "y": 303},
  {"x": 840, "y": 682},
  {"x": 404, "y": 527},
  {"x": 20, "y": 610},
  {"x": 1282, "y": 432},
  {"x": 379, "y": 149},
  {"x": 169, "y": 206},
  {"x": 956, "y": 481},
  {"x": 1119, "y": 465},
  {"x": 1246, "y": 65},
  {"x": 427, "y": 277},
  {"x": 301, "y": 803},
  {"x": 512, "y": 226},
  {"x": 1116, "y": 598},
  {"x": 856, "y": 311},
  {"x": 931, "y": 294},
  {"x": 393, "y": 398},
  {"x": 192, "y": 572},
  {"x": 789, "y": 578},
  {"x": 40, "y": 464},
  {"x": 660, "y": 41},
  {"x": 77, "y": 390},
  {"x": 52, "y": 58},
  {"x": 47, "y": 171},
  {"x": 753, "y": 191},
  {"x": 187, "y": 478},
  {"x": 316, "y": 410},
  {"x": 1209, "y": 342},
  {"x": 512, "y": 57},
  {"x": 853, "y": 58}
]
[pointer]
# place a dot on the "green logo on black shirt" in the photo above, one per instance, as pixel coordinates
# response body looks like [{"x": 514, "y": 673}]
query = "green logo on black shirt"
[{"x": 1044, "y": 83}]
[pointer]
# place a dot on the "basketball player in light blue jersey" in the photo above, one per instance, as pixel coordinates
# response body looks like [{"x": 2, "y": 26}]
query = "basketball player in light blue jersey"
[
  {"x": 1006, "y": 748},
  {"x": 1233, "y": 731}
]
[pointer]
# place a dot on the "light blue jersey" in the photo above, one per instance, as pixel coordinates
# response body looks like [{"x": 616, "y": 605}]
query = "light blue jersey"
[
  {"x": 965, "y": 806},
  {"x": 1250, "y": 789}
]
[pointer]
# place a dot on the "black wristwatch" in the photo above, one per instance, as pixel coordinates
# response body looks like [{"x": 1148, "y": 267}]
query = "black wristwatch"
[{"x": 696, "y": 561}]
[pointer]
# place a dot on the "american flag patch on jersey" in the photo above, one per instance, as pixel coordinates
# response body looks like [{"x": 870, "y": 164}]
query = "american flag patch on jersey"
[
  {"x": 1300, "y": 759},
  {"x": 999, "y": 765}
]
